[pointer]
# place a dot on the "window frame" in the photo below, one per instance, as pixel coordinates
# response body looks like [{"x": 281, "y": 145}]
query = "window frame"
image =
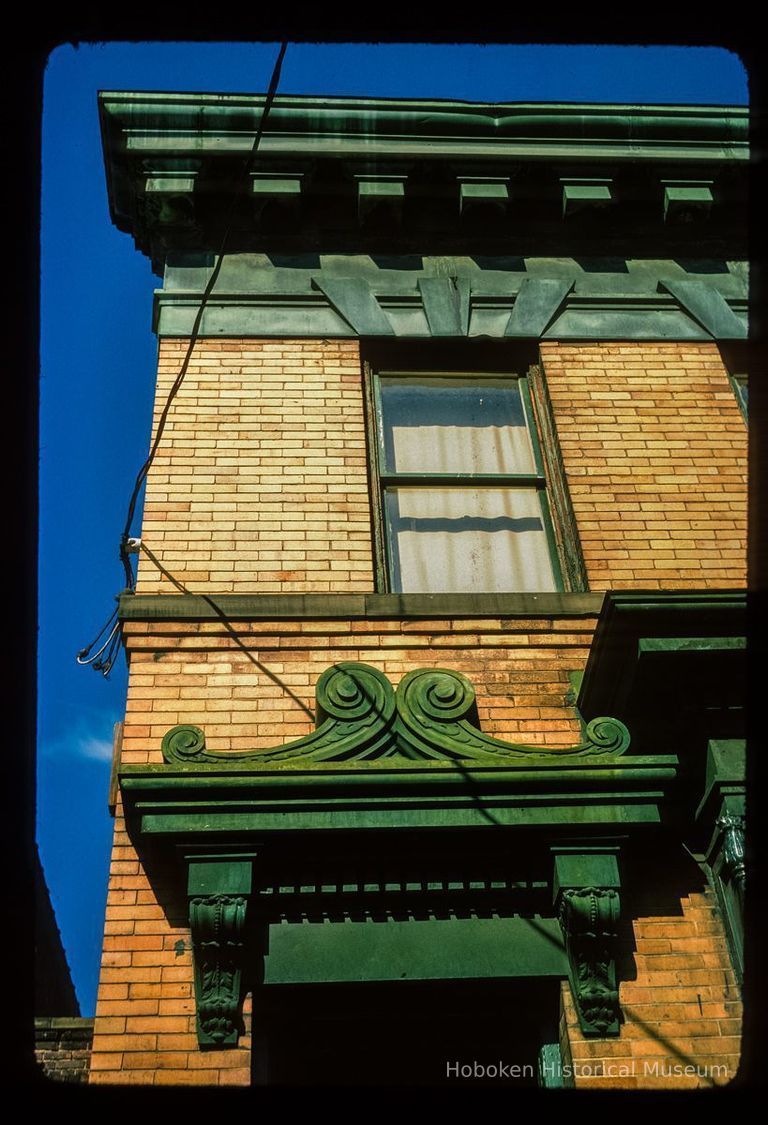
[
  {"x": 740, "y": 385},
  {"x": 383, "y": 478}
]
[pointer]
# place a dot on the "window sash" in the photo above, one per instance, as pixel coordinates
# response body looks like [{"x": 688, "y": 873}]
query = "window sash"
[
  {"x": 482, "y": 538},
  {"x": 387, "y": 569}
]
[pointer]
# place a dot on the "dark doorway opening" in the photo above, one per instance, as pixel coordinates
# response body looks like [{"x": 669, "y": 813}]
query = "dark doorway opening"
[{"x": 404, "y": 1033}]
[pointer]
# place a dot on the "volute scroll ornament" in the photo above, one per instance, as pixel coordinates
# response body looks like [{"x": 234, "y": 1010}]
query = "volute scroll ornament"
[{"x": 431, "y": 717}]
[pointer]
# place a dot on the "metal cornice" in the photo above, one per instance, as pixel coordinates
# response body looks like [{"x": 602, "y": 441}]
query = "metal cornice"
[
  {"x": 224, "y": 123},
  {"x": 172, "y": 160}
]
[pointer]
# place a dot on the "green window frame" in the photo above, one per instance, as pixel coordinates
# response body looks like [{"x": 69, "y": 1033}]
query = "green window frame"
[
  {"x": 388, "y": 479},
  {"x": 741, "y": 390}
]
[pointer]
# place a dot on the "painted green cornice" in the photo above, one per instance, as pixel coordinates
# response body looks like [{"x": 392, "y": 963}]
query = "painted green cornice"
[
  {"x": 220, "y": 804},
  {"x": 347, "y": 173},
  {"x": 307, "y": 607},
  {"x": 431, "y": 717},
  {"x": 381, "y": 759},
  {"x": 594, "y": 294},
  {"x": 177, "y": 121}
]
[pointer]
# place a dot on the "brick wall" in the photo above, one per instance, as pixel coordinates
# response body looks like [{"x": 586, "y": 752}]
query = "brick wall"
[
  {"x": 680, "y": 1002},
  {"x": 654, "y": 448},
  {"x": 63, "y": 1047},
  {"x": 261, "y": 478}
]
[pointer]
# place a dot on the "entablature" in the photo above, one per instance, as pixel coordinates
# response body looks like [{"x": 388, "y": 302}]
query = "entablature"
[{"x": 399, "y": 176}]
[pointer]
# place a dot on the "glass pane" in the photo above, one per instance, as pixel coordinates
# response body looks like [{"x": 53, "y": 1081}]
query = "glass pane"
[
  {"x": 436, "y": 425},
  {"x": 467, "y": 540}
]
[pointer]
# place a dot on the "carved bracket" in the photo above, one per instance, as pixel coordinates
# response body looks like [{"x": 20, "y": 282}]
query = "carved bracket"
[
  {"x": 432, "y": 716},
  {"x": 218, "y": 923},
  {"x": 589, "y": 919},
  {"x": 720, "y": 818},
  {"x": 731, "y": 829},
  {"x": 588, "y": 908}
]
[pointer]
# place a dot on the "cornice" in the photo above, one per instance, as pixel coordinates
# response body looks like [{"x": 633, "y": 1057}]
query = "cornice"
[
  {"x": 340, "y": 172},
  {"x": 226, "y": 122}
]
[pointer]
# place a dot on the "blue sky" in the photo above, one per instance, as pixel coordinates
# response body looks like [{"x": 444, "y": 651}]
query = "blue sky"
[{"x": 98, "y": 355}]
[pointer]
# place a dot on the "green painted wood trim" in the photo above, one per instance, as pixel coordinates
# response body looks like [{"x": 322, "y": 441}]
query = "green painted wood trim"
[
  {"x": 708, "y": 306},
  {"x": 451, "y": 480},
  {"x": 421, "y": 949},
  {"x": 725, "y": 777},
  {"x": 675, "y": 645},
  {"x": 378, "y": 532},
  {"x": 409, "y": 759},
  {"x": 546, "y": 512},
  {"x": 627, "y": 617},
  {"x": 353, "y": 299},
  {"x": 293, "y": 778},
  {"x": 740, "y": 385},
  {"x": 589, "y": 916},
  {"x": 676, "y": 602},
  {"x": 217, "y": 924},
  {"x": 288, "y": 607},
  {"x": 565, "y": 529},
  {"x": 618, "y": 315},
  {"x": 536, "y": 306},
  {"x": 446, "y": 304},
  {"x": 590, "y": 814}
]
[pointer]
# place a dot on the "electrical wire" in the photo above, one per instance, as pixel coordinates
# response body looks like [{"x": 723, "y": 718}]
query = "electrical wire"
[
  {"x": 95, "y": 656},
  {"x": 85, "y": 651},
  {"x": 112, "y": 644}
]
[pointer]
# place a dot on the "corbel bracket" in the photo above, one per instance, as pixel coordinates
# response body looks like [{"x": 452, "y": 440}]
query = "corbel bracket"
[
  {"x": 720, "y": 817},
  {"x": 218, "y": 898},
  {"x": 588, "y": 908},
  {"x": 730, "y": 828}
]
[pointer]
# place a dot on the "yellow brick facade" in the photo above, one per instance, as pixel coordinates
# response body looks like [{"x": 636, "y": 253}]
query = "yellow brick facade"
[
  {"x": 261, "y": 486},
  {"x": 261, "y": 480},
  {"x": 655, "y": 452}
]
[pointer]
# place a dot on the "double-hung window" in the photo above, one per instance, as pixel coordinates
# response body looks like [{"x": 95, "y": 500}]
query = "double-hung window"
[{"x": 463, "y": 491}]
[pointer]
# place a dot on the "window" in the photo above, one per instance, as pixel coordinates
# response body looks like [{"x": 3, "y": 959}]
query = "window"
[{"x": 462, "y": 485}]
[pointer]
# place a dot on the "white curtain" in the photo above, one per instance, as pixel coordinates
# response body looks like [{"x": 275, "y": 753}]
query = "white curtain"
[
  {"x": 446, "y": 539},
  {"x": 455, "y": 426},
  {"x": 464, "y": 540}
]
